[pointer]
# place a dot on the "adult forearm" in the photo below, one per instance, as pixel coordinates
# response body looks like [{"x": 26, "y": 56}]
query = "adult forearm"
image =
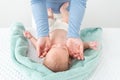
[
  {"x": 77, "y": 10},
  {"x": 39, "y": 11}
]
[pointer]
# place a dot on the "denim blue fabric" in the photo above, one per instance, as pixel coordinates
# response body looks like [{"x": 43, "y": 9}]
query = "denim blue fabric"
[{"x": 76, "y": 9}]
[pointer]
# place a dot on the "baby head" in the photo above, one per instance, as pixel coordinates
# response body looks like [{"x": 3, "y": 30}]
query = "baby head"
[{"x": 57, "y": 59}]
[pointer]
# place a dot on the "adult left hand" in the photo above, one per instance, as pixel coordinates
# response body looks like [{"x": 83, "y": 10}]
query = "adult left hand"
[{"x": 75, "y": 47}]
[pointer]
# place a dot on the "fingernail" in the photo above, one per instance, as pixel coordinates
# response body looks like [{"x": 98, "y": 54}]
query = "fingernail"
[
  {"x": 78, "y": 58},
  {"x": 83, "y": 59}
]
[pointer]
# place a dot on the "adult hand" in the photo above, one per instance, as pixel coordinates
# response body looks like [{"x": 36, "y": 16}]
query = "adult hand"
[
  {"x": 75, "y": 47},
  {"x": 42, "y": 46}
]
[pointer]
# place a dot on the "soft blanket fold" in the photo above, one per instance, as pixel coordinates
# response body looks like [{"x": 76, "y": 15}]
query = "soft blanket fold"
[{"x": 80, "y": 70}]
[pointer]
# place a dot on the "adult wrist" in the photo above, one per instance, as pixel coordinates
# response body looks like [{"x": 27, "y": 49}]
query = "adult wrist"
[
  {"x": 43, "y": 35},
  {"x": 73, "y": 35}
]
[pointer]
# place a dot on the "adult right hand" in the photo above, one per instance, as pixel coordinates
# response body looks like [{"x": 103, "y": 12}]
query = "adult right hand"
[{"x": 42, "y": 46}]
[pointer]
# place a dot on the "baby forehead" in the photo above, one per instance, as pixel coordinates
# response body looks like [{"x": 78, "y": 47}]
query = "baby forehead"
[{"x": 58, "y": 51}]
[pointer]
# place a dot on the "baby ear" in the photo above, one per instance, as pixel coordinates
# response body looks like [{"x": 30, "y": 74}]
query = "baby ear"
[{"x": 70, "y": 61}]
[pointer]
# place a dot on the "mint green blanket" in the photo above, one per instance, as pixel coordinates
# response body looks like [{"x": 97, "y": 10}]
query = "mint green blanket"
[{"x": 80, "y": 70}]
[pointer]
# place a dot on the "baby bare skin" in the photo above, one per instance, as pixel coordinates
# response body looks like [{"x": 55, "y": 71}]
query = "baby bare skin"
[
  {"x": 58, "y": 36},
  {"x": 57, "y": 58}
]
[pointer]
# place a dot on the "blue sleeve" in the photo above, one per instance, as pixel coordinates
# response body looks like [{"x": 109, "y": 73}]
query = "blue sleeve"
[
  {"x": 39, "y": 11},
  {"x": 77, "y": 9}
]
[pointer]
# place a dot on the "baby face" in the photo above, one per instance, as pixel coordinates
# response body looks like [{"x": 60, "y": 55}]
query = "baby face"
[{"x": 57, "y": 59}]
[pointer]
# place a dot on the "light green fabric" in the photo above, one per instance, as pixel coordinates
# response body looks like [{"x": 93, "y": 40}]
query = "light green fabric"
[{"x": 80, "y": 70}]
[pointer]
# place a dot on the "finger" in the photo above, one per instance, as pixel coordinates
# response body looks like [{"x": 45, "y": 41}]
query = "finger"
[
  {"x": 43, "y": 55},
  {"x": 38, "y": 50},
  {"x": 75, "y": 56},
  {"x": 46, "y": 49},
  {"x": 71, "y": 53},
  {"x": 82, "y": 56},
  {"x": 78, "y": 53},
  {"x": 48, "y": 45},
  {"x": 81, "y": 53},
  {"x": 78, "y": 57}
]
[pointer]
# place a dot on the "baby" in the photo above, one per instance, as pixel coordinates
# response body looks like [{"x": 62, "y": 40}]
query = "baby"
[{"x": 58, "y": 57}]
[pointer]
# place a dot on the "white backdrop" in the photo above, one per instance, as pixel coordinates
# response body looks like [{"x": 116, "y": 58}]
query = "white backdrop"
[
  {"x": 15, "y": 10},
  {"x": 105, "y": 13}
]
